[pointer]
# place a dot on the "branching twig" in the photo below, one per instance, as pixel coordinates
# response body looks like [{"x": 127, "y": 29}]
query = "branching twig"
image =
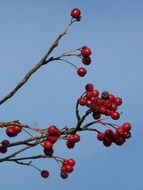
[{"x": 42, "y": 62}]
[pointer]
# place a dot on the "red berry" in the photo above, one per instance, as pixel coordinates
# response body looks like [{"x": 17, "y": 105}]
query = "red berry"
[
  {"x": 107, "y": 103},
  {"x": 113, "y": 107},
  {"x": 120, "y": 132},
  {"x": 88, "y": 103},
  {"x": 11, "y": 132},
  {"x": 82, "y": 101},
  {"x": 75, "y": 13},
  {"x": 71, "y": 162},
  {"x": 115, "y": 115},
  {"x": 118, "y": 101},
  {"x": 52, "y": 139},
  {"x": 76, "y": 137},
  {"x": 89, "y": 87},
  {"x": 102, "y": 109},
  {"x": 17, "y": 128},
  {"x": 86, "y": 52},
  {"x": 96, "y": 115},
  {"x": 119, "y": 140},
  {"x": 95, "y": 93},
  {"x": 81, "y": 71},
  {"x": 107, "y": 141},
  {"x": 45, "y": 173},
  {"x": 100, "y": 136},
  {"x": 109, "y": 133},
  {"x": 3, "y": 149},
  {"x": 71, "y": 139},
  {"x": 52, "y": 130},
  {"x": 68, "y": 168},
  {"x": 111, "y": 97},
  {"x": 48, "y": 145},
  {"x": 86, "y": 60},
  {"x": 126, "y": 127},
  {"x": 70, "y": 145}
]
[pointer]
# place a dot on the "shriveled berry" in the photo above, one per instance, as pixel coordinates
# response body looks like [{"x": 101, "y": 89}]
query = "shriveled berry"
[
  {"x": 64, "y": 175},
  {"x": 105, "y": 95},
  {"x": 5, "y": 142},
  {"x": 86, "y": 60}
]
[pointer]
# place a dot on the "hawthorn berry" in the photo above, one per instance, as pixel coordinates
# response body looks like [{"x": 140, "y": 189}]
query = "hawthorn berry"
[
  {"x": 49, "y": 152},
  {"x": 64, "y": 175},
  {"x": 53, "y": 131},
  {"x": 71, "y": 162},
  {"x": 126, "y": 127},
  {"x": 75, "y": 13},
  {"x": 82, "y": 101},
  {"x": 105, "y": 95},
  {"x": 68, "y": 168},
  {"x": 3, "y": 149},
  {"x": 118, "y": 101},
  {"x": 11, "y": 132},
  {"x": 115, "y": 115},
  {"x": 89, "y": 87},
  {"x": 5, "y": 142},
  {"x": 48, "y": 145},
  {"x": 70, "y": 145},
  {"x": 81, "y": 71},
  {"x": 45, "y": 173},
  {"x": 86, "y": 52},
  {"x": 100, "y": 136},
  {"x": 52, "y": 139},
  {"x": 86, "y": 60}
]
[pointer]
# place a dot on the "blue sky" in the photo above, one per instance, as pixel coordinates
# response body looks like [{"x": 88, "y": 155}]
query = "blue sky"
[{"x": 113, "y": 29}]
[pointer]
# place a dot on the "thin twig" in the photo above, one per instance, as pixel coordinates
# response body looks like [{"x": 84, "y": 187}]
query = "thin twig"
[{"x": 42, "y": 62}]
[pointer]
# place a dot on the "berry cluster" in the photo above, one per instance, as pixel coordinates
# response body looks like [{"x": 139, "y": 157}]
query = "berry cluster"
[
  {"x": 52, "y": 137},
  {"x": 13, "y": 130},
  {"x": 107, "y": 104},
  {"x": 98, "y": 105},
  {"x": 118, "y": 137},
  {"x": 72, "y": 139},
  {"x": 67, "y": 167},
  {"x": 86, "y": 60}
]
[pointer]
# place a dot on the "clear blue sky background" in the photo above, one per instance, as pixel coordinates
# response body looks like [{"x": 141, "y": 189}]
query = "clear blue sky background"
[{"x": 114, "y": 31}]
